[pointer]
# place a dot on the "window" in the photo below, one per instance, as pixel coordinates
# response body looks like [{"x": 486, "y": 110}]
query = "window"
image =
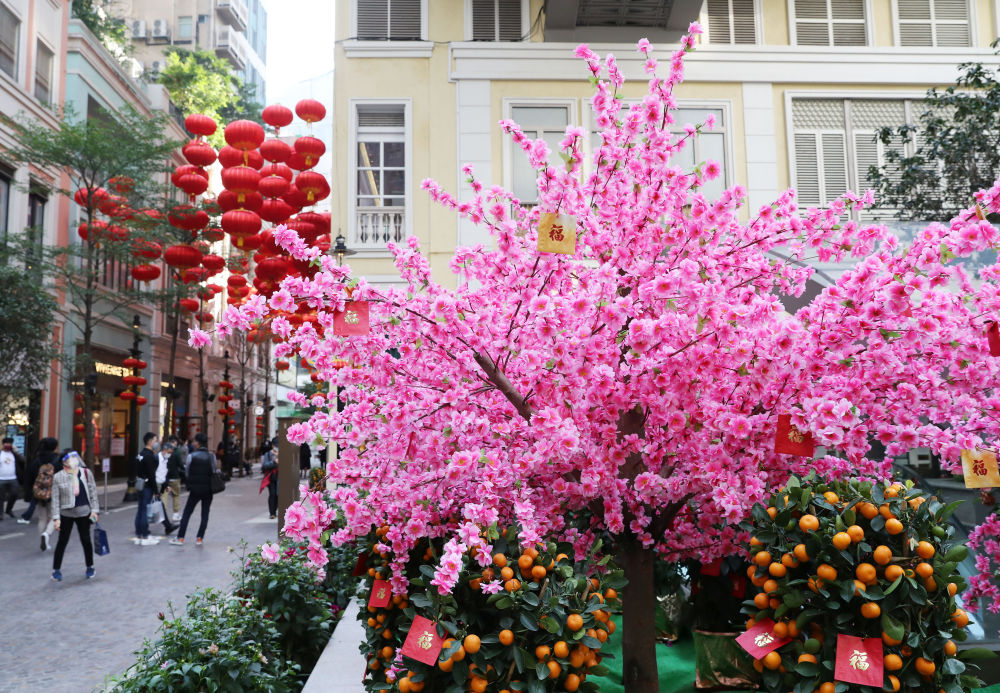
[
  {"x": 732, "y": 21},
  {"x": 496, "y": 20},
  {"x": 35, "y": 231},
  {"x": 185, "y": 29},
  {"x": 830, "y": 22},
  {"x": 9, "y": 29},
  {"x": 6, "y": 184},
  {"x": 933, "y": 22},
  {"x": 392, "y": 20},
  {"x": 43, "y": 72},
  {"x": 548, "y": 122},
  {"x": 380, "y": 182},
  {"x": 835, "y": 145}
]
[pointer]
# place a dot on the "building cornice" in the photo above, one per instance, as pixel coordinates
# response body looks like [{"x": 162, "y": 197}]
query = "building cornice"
[
  {"x": 388, "y": 49},
  {"x": 776, "y": 64},
  {"x": 27, "y": 102},
  {"x": 82, "y": 41}
]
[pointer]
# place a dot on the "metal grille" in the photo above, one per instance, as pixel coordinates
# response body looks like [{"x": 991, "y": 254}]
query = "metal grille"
[
  {"x": 496, "y": 20},
  {"x": 642, "y": 13},
  {"x": 381, "y": 117},
  {"x": 732, "y": 21},
  {"x": 818, "y": 114},
  {"x": 872, "y": 114},
  {"x": 397, "y": 20}
]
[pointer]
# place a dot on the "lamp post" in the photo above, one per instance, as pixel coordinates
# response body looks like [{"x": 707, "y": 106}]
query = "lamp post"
[
  {"x": 341, "y": 250},
  {"x": 133, "y": 419},
  {"x": 225, "y": 417}
]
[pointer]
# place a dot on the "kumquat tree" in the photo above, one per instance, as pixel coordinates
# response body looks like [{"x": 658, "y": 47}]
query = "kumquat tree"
[{"x": 617, "y": 363}]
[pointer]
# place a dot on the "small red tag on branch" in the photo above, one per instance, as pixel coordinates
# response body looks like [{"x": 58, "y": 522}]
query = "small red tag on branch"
[
  {"x": 381, "y": 594},
  {"x": 993, "y": 338},
  {"x": 423, "y": 642},
  {"x": 790, "y": 440},
  {"x": 352, "y": 321},
  {"x": 859, "y": 660},
  {"x": 760, "y": 639},
  {"x": 361, "y": 566}
]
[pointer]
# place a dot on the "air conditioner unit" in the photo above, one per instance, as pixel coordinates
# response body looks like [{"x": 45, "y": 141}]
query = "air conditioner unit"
[
  {"x": 155, "y": 66},
  {"x": 135, "y": 68},
  {"x": 160, "y": 28},
  {"x": 139, "y": 28}
]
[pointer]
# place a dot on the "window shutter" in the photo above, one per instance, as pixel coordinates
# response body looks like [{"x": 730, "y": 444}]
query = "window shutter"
[
  {"x": 934, "y": 23},
  {"x": 496, "y": 20},
  {"x": 373, "y": 19},
  {"x": 483, "y": 20},
  {"x": 390, "y": 116},
  {"x": 806, "y": 169},
  {"x": 718, "y": 22},
  {"x": 731, "y": 21},
  {"x": 830, "y": 22},
  {"x": 509, "y": 14},
  {"x": 744, "y": 22},
  {"x": 404, "y": 20},
  {"x": 834, "y": 165}
]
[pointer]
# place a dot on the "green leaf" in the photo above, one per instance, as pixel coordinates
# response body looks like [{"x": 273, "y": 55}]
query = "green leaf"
[
  {"x": 806, "y": 668},
  {"x": 528, "y": 621},
  {"x": 893, "y": 628},
  {"x": 550, "y": 624},
  {"x": 953, "y": 665},
  {"x": 892, "y": 588},
  {"x": 977, "y": 653},
  {"x": 957, "y": 553}
]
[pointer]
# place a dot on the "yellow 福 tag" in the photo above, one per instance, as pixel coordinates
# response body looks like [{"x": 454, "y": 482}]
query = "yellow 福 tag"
[
  {"x": 980, "y": 469},
  {"x": 557, "y": 234}
]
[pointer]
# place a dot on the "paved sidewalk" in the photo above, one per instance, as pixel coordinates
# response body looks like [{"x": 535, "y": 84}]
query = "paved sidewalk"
[{"x": 68, "y": 637}]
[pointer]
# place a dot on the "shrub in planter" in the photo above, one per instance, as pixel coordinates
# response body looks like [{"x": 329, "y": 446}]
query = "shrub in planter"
[
  {"x": 530, "y": 620},
  {"x": 222, "y": 643},
  {"x": 854, "y": 558}
]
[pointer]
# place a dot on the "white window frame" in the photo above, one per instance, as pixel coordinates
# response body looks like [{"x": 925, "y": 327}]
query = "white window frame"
[
  {"x": 525, "y": 20},
  {"x": 572, "y": 106},
  {"x": 868, "y": 24},
  {"x": 352, "y": 163},
  {"x": 904, "y": 96},
  {"x": 972, "y": 24},
  {"x": 758, "y": 26},
  {"x": 19, "y": 48},
  {"x": 53, "y": 69},
  {"x": 423, "y": 24}
]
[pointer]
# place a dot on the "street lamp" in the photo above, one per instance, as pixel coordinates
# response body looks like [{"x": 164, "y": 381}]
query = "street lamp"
[
  {"x": 340, "y": 248},
  {"x": 133, "y": 419}
]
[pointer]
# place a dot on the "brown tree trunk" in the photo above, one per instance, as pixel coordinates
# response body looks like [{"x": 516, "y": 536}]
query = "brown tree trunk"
[{"x": 639, "y": 672}]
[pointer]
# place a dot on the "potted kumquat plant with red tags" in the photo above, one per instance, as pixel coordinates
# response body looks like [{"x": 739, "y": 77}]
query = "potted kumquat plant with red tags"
[{"x": 858, "y": 588}]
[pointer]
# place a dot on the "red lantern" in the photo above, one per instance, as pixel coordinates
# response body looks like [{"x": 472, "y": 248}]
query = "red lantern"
[
  {"x": 188, "y": 218},
  {"x": 199, "y": 153},
  {"x": 251, "y": 243},
  {"x": 79, "y": 428},
  {"x": 238, "y": 264},
  {"x": 213, "y": 263},
  {"x": 226, "y": 385},
  {"x": 188, "y": 305},
  {"x": 97, "y": 194},
  {"x": 277, "y": 116},
  {"x": 313, "y": 184},
  {"x": 225, "y": 398},
  {"x": 214, "y": 288},
  {"x": 310, "y": 110},
  {"x": 182, "y": 256},
  {"x": 273, "y": 186},
  {"x": 127, "y": 395},
  {"x": 130, "y": 362},
  {"x": 78, "y": 412},
  {"x": 265, "y": 286},
  {"x": 275, "y": 150},
  {"x": 241, "y": 180},
  {"x": 236, "y": 280},
  {"x": 139, "y": 401},
  {"x": 145, "y": 273},
  {"x": 184, "y": 170},
  {"x": 147, "y": 218},
  {"x": 239, "y": 291},
  {"x": 295, "y": 198},
  {"x": 311, "y": 148},
  {"x": 132, "y": 379},
  {"x": 298, "y": 162},
  {"x": 192, "y": 184},
  {"x": 121, "y": 184},
  {"x": 205, "y": 317},
  {"x": 240, "y": 223},
  {"x": 273, "y": 268},
  {"x": 282, "y": 365},
  {"x": 276, "y": 210},
  {"x": 98, "y": 227},
  {"x": 277, "y": 170},
  {"x": 111, "y": 204},
  {"x": 213, "y": 234},
  {"x": 229, "y": 200},
  {"x": 244, "y": 134},
  {"x": 201, "y": 125},
  {"x": 194, "y": 275},
  {"x": 147, "y": 249},
  {"x": 140, "y": 364},
  {"x": 307, "y": 231}
]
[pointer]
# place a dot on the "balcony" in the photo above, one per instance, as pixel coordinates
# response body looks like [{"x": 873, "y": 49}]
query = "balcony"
[
  {"x": 619, "y": 20},
  {"x": 229, "y": 45},
  {"x": 233, "y": 12},
  {"x": 376, "y": 226}
]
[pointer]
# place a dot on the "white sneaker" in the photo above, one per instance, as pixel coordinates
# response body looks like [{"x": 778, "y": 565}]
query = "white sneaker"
[
  {"x": 176, "y": 517},
  {"x": 22, "y": 521},
  {"x": 45, "y": 541},
  {"x": 177, "y": 542},
  {"x": 150, "y": 541},
  {"x": 136, "y": 540}
]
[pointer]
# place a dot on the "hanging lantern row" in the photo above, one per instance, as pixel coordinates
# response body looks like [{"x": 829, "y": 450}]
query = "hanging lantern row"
[{"x": 133, "y": 381}]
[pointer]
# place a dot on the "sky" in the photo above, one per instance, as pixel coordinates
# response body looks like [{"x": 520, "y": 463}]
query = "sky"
[{"x": 299, "y": 42}]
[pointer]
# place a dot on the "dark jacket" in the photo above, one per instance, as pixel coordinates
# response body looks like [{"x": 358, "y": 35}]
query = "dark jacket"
[
  {"x": 146, "y": 467},
  {"x": 200, "y": 471},
  {"x": 44, "y": 457},
  {"x": 175, "y": 464}
]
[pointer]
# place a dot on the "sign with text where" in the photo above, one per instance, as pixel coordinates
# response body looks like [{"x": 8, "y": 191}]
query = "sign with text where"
[
  {"x": 980, "y": 469},
  {"x": 788, "y": 439},
  {"x": 381, "y": 594},
  {"x": 423, "y": 642},
  {"x": 352, "y": 321},
  {"x": 117, "y": 447},
  {"x": 557, "y": 234},
  {"x": 859, "y": 660},
  {"x": 760, "y": 639}
]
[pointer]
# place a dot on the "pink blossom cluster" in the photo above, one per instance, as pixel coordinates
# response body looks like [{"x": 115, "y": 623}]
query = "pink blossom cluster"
[
  {"x": 634, "y": 387},
  {"x": 985, "y": 541}
]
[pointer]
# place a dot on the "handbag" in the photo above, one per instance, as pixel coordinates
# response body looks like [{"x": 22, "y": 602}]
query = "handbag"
[
  {"x": 101, "y": 545},
  {"x": 154, "y": 511},
  {"x": 218, "y": 484}
]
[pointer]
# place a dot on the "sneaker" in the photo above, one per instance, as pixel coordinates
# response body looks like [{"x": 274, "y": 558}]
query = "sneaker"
[
  {"x": 57, "y": 575},
  {"x": 149, "y": 541},
  {"x": 44, "y": 541},
  {"x": 198, "y": 542},
  {"x": 176, "y": 517},
  {"x": 22, "y": 521},
  {"x": 91, "y": 572},
  {"x": 169, "y": 529},
  {"x": 177, "y": 542},
  {"x": 274, "y": 517}
]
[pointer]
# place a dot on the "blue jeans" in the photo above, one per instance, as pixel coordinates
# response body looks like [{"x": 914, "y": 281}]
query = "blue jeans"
[
  {"x": 26, "y": 515},
  {"x": 141, "y": 521}
]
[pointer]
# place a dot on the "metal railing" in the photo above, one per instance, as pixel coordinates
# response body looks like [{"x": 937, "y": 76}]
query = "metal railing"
[{"x": 376, "y": 226}]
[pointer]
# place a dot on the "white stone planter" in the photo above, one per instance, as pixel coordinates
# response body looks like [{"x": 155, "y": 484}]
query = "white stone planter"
[{"x": 341, "y": 667}]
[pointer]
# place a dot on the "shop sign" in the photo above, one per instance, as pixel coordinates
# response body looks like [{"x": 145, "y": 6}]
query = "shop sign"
[
  {"x": 109, "y": 369},
  {"x": 117, "y": 447}
]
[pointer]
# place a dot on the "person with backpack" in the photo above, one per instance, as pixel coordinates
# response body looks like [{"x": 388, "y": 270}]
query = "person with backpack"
[
  {"x": 202, "y": 466},
  {"x": 146, "y": 465},
  {"x": 269, "y": 469},
  {"x": 74, "y": 504},
  {"x": 11, "y": 474},
  {"x": 38, "y": 481},
  {"x": 175, "y": 472}
]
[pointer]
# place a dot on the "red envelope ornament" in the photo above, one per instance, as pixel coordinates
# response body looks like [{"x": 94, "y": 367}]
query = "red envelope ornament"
[
  {"x": 352, "y": 321},
  {"x": 859, "y": 660},
  {"x": 381, "y": 594},
  {"x": 361, "y": 566},
  {"x": 712, "y": 569},
  {"x": 739, "y": 585},
  {"x": 760, "y": 639},
  {"x": 557, "y": 233},
  {"x": 993, "y": 338},
  {"x": 423, "y": 642},
  {"x": 790, "y": 440}
]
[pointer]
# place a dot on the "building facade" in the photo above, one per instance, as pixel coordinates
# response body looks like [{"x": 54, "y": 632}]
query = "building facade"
[
  {"x": 797, "y": 87},
  {"x": 232, "y": 29}
]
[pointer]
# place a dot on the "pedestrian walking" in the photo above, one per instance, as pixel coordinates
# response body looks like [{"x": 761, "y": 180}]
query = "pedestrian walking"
[
  {"x": 146, "y": 464},
  {"x": 12, "y": 470},
  {"x": 201, "y": 467},
  {"x": 175, "y": 473},
  {"x": 38, "y": 484},
  {"x": 74, "y": 504},
  {"x": 269, "y": 468},
  {"x": 305, "y": 460}
]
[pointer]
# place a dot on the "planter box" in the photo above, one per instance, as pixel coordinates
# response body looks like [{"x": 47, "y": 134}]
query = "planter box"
[
  {"x": 341, "y": 667},
  {"x": 721, "y": 664}
]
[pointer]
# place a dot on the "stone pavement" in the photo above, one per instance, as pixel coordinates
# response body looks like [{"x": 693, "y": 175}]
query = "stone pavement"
[{"x": 67, "y": 637}]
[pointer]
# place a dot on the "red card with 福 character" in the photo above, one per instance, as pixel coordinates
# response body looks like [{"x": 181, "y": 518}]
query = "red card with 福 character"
[
  {"x": 993, "y": 338},
  {"x": 423, "y": 642},
  {"x": 381, "y": 594},
  {"x": 859, "y": 660},
  {"x": 760, "y": 639},
  {"x": 352, "y": 321},
  {"x": 790, "y": 440},
  {"x": 361, "y": 565}
]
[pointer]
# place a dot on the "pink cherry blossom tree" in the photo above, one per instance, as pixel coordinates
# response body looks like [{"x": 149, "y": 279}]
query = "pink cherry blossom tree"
[{"x": 632, "y": 387}]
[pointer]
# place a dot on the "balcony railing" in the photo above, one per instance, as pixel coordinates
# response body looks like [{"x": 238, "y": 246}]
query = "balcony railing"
[
  {"x": 376, "y": 226},
  {"x": 233, "y": 12},
  {"x": 229, "y": 46}
]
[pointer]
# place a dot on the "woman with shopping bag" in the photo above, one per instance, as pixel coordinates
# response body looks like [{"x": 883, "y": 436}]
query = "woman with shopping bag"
[{"x": 74, "y": 504}]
